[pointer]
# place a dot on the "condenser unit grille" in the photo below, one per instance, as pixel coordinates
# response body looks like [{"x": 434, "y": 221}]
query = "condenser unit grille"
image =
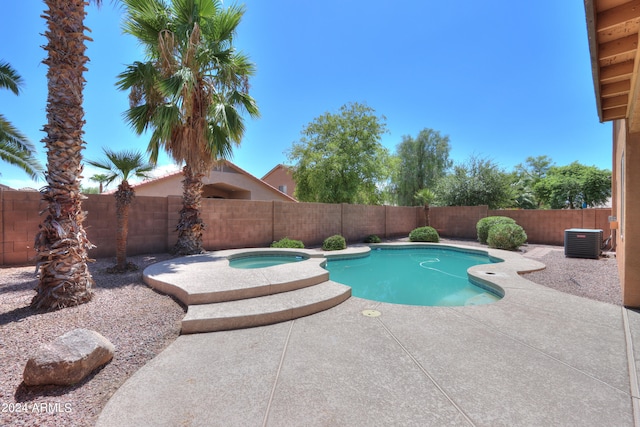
[{"x": 582, "y": 243}]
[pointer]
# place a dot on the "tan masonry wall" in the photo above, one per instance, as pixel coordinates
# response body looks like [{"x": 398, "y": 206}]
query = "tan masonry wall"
[
  {"x": 541, "y": 226},
  {"x": 229, "y": 223},
  {"x": 246, "y": 223}
]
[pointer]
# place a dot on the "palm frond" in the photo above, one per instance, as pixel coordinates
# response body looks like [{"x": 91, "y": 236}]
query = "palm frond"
[{"x": 9, "y": 78}]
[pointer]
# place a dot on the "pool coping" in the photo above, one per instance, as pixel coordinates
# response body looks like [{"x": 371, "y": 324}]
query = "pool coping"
[{"x": 187, "y": 280}]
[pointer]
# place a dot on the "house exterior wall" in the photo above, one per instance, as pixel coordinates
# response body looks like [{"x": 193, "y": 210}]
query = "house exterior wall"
[
  {"x": 280, "y": 176},
  {"x": 626, "y": 204},
  {"x": 232, "y": 185}
]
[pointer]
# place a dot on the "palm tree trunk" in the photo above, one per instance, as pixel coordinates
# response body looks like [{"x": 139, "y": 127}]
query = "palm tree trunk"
[
  {"x": 62, "y": 244},
  {"x": 124, "y": 197},
  {"x": 190, "y": 227}
]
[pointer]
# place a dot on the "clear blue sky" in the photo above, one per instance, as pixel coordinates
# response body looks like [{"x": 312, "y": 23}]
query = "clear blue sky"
[{"x": 503, "y": 79}]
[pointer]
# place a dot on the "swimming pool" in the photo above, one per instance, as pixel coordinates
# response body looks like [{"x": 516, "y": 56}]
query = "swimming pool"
[
  {"x": 414, "y": 276},
  {"x": 262, "y": 261}
]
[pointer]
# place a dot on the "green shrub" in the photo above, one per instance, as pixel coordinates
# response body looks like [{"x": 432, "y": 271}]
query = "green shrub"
[
  {"x": 372, "y": 238},
  {"x": 424, "y": 234},
  {"x": 484, "y": 225},
  {"x": 506, "y": 236},
  {"x": 334, "y": 243},
  {"x": 285, "y": 242}
]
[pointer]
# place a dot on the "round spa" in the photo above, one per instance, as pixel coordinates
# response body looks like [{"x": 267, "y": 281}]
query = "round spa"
[{"x": 264, "y": 260}]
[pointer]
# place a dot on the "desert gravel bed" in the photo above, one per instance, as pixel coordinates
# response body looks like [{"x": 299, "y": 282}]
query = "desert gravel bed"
[
  {"x": 141, "y": 323},
  {"x": 137, "y": 320},
  {"x": 589, "y": 278}
]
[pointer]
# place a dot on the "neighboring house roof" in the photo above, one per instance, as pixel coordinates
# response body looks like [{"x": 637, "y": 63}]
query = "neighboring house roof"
[
  {"x": 281, "y": 177},
  {"x": 217, "y": 184},
  {"x": 6, "y": 188}
]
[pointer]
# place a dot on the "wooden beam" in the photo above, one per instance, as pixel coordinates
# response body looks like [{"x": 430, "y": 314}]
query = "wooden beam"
[
  {"x": 615, "y": 89},
  {"x": 614, "y": 114},
  {"x": 618, "y": 47},
  {"x": 616, "y": 71},
  {"x": 615, "y": 101},
  {"x": 618, "y": 15},
  {"x": 603, "y": 5}
]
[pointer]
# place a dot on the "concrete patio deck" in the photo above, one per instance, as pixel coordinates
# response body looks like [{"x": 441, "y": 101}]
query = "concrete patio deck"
[{"x": 537, "y": 357}]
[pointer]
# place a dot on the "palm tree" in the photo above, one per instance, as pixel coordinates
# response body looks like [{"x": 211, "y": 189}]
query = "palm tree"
[
  {"x": 191, "y": 92},
  {"x": 15, "y": 148},
  {"x": 122, "y": 165},
  {"x": 100, "y": 178},
  {"x": 61, "y": 244}
]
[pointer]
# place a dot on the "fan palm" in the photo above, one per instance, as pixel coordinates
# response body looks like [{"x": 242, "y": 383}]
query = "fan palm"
[
  {"x": 191, "y": 92},
  {"x": 61, "y": 244},
  {"x": 15, "y": 148},
  {"x": 100, "y": 178},
  {"x": 122, "y": 165}
]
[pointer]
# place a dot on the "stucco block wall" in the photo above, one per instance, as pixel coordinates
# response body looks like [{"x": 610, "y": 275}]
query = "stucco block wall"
[
  {"x": 19, "y": 226},
  {"x": 541, "y": 226},
  {"x": 400, "y": 220},
  {"x": 309, "y": 222},
  {"x": 457, "y": 221},
  {"x": 361, "y": 220},
  {"x": 236, "y": 223}
]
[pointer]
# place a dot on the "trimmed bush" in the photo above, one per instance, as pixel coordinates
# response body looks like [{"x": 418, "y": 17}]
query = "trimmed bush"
[
  {"x": 424, "y": 234},
  {"x": 506, "y": 236},
  {"x": 285, "y": 242},
  {"x": 372, "y": 238},
  {"x": 334, "y": 243},
  {"x": 484, "y": 225}
]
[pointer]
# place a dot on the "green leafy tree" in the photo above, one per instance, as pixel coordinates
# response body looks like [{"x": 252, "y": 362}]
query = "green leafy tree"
[
  {"x": 574, "y": 186},
  {"x": 61, "y": 244},
  {"x": 15, "y": 148},
  {"x": 525, "y": 177},
  {"x": 339, "y": 158},
  {"x": 421, "y": 162},
  {"x": 122, "y": 165},
  {"x": 476, "y": 182},
  {"x": 191, "y": 91}
]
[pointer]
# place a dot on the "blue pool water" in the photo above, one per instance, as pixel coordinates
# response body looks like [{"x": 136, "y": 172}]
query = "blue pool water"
[
  {"x": 413, "y": 276},
  {"x": 261, "y": 261}
]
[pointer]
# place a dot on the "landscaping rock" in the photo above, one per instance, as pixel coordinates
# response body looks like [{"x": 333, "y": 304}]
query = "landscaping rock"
[{"x": 68, "y": 359}]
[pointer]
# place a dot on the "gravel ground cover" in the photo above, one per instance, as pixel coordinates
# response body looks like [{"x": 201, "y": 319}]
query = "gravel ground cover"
[
  {"x": 141, "y": 323},
  {"x": 137, "y": 320},
  {"x": 590, "y": 278}
]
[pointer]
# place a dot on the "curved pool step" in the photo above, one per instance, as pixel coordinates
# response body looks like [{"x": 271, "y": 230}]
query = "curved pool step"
[
  {"x": 204, "y": 279},
  {"x": 264, "y": 310}
]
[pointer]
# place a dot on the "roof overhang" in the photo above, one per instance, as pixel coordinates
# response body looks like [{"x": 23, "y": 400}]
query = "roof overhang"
[{"x": 613, "y": 27}]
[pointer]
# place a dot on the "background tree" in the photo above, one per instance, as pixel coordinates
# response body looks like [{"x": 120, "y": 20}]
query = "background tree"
[
  {"x": 101, "y": 179},
  {"x": 421, "y": 162},
  {"x": 123, "y": 166},
  {"x": 61, "y": 244},
  {"x": 15, "y": 148},
  {"x": 339, "y": 158},
  {"x": 476, "y": 182},
  {"x": 573, "y": 186},
  {"x": 191, "y": 91},
  {"x": 525, "y": 178}
]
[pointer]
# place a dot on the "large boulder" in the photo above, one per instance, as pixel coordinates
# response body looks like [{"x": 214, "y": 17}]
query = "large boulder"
[{"x": 68, "y": 359}]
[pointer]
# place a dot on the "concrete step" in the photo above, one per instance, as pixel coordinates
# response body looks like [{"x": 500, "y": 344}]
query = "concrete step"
[{"x": 264, "y": 310}]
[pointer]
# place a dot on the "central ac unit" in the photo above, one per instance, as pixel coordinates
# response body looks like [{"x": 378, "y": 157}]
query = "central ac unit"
[{"x": 582, "y": 243}]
